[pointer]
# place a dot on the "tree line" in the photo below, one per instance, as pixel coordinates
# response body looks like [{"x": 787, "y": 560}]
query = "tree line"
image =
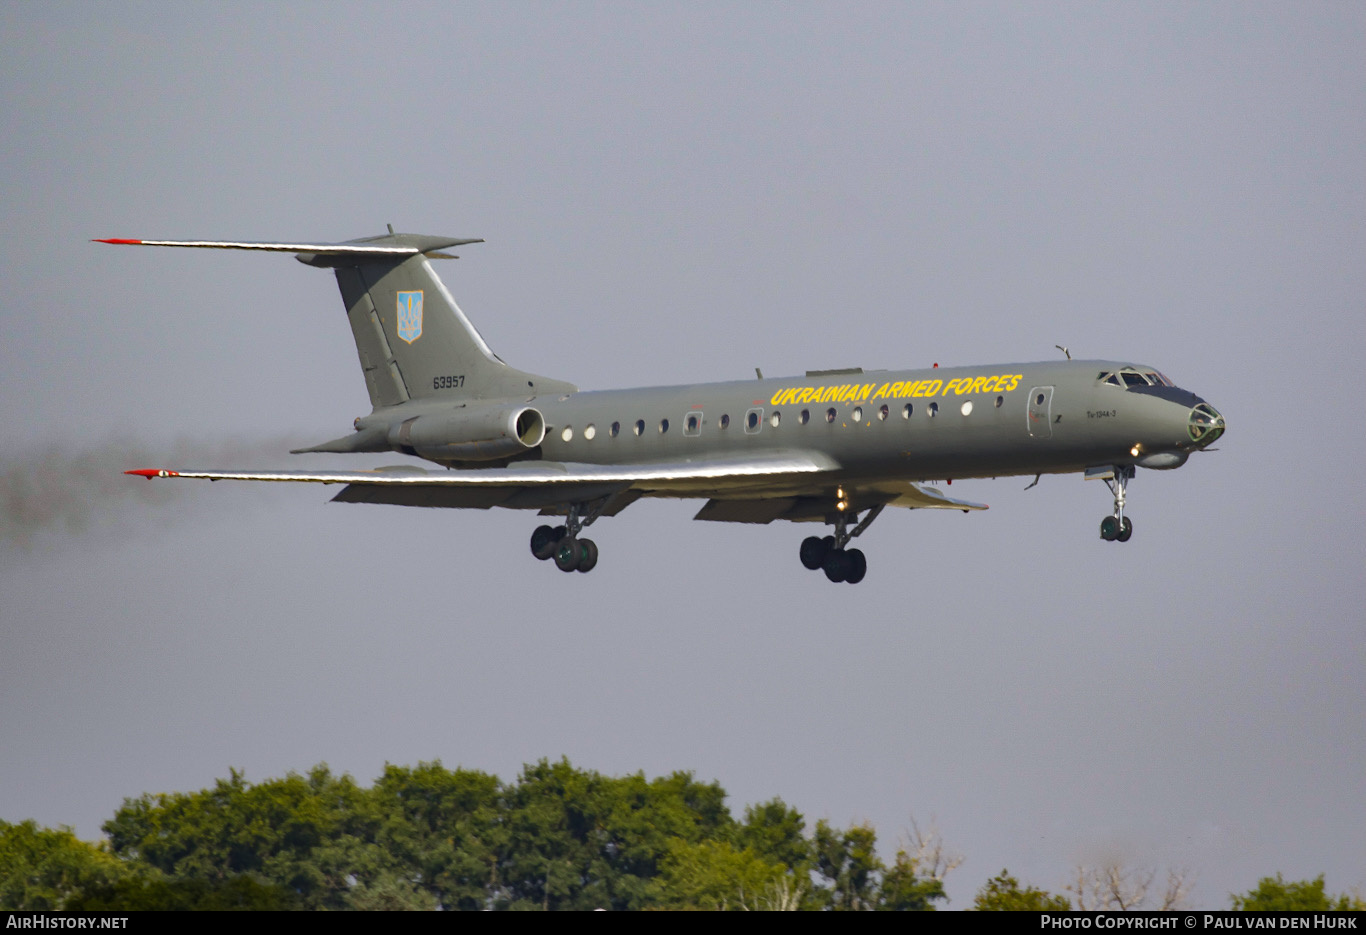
[{"x": 558, "y": 837}]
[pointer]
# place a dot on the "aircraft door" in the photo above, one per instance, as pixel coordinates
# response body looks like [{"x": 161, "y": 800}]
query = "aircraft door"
[{"x": 1040, "y": 418}]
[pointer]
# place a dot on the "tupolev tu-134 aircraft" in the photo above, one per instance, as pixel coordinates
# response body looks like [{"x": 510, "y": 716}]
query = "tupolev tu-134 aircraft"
[{"x": 832, "y": 446}]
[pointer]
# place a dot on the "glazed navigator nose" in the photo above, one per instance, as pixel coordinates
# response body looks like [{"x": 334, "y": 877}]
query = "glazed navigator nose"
[{"x": 1205, "y": 425}]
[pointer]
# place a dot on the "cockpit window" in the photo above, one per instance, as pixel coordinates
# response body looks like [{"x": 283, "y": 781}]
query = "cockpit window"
[{"x": 1132, "y": 376}]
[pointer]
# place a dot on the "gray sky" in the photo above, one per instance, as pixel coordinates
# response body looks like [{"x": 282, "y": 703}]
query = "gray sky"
[{"x": 674, "y": 193}]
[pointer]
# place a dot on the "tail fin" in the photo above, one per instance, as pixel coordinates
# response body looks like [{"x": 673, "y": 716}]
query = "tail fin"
[{"x": 412, "y": 339}]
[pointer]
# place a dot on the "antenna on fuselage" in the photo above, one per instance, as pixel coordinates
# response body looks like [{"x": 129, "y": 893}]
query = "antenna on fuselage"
[
  {"x": 1064, "y": 350},
  {"x": 758, "y": 373}
]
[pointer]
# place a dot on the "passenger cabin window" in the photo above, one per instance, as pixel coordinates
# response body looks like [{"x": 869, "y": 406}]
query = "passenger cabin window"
[
  {"x": 663, "y": 426},
  {"x": 830, "y": 416},
  {"x": 725, "y": 421},
  {"x": 640, "y": 427},
  {"x": 805, "y": 416},
  {"x": 615, "y": 430},
  {"x": 933, "y": 410},
  {"x": 775, "y": 419},
  {"x": 907, "y": 410},
  {"x": 883, "y": 413}
]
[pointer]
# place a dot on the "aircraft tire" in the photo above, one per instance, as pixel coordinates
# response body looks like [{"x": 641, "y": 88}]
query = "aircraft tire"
[
  {"x": 814, "y": 550},
  {"x": 588, "y": 559},
  {"x": 858, "y": 566},
  {"x": 1125, "y": 531},
  {"x": 837, "y": 565},
  {"x": 1109, "y": 529},
  {"x": 568, "y": 552},
  {"x": 543, "y": 542}
]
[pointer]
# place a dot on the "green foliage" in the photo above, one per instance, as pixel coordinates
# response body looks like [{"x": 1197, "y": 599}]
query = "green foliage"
[
  {"x": 426, "y": 837},
  {"x": 580, "y": 840},
  {"x": 151, "y": 894},
  {"x": 715, "y": 875},
  {"x": 1275, "y": 894},
  {"x": 847, "y": 860},
  {"x": 1002, "y": 893},
  {"x": 777, "y": 833},
  {"x": 42, "y": 868},
  {"x": 313, "y": 835},
  {"x": 904, "y": 890}
]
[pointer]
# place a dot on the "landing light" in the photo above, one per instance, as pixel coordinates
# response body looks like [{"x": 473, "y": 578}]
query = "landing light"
[{"x": 1134, "y": 451}]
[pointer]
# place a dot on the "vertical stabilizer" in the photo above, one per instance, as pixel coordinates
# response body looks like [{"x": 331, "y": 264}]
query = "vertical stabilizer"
[{"x": 412, "y": 339}]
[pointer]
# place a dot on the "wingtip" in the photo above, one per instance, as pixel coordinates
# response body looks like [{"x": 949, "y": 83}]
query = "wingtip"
[
  {"x": 149, "y": 473},
  {"x": 115, "y": 240}
]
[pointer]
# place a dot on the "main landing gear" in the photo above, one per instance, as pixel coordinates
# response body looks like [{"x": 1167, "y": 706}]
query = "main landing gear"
[
  {"x": 1117, "y": 527},
  {"x": 562, "y": 543},
  {"x": 829, "y": 553}
]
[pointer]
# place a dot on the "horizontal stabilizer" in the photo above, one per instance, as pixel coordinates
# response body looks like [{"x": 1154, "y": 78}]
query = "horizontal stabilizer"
[{"x": 390, "y": 246}]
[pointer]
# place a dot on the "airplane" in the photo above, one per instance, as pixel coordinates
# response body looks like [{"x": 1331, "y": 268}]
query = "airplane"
[{"x": 832, "y": 446}]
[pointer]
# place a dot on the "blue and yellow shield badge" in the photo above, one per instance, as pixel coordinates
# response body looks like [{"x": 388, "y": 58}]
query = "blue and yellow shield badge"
[{"x": 410, "y": 316}]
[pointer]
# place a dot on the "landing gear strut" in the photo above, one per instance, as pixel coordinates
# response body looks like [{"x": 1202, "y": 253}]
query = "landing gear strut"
[
  {"x": 829, "y": 553},
  {"x": 562, "y": 543},
  {"x": 1117, "y": 527}
]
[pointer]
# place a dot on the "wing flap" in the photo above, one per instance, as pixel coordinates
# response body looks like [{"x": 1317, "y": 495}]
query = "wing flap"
[{"x": 918, "y": 497}]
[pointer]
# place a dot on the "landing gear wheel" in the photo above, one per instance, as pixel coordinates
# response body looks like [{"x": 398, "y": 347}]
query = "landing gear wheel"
[
  {"x": 858, "y": 566},
  {"x": 543, "y": 541},
  {"x": 814, "y": 551},
  {"x": 1109, "y": 528},
  {"x": 1126, "y": 530},
  {"x": 589, "y": 557},
  {"x": 568, "y": 553},
  {"x": 837, "y": 565}
]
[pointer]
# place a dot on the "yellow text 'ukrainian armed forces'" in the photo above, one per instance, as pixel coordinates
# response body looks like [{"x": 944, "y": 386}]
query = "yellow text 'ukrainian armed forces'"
[{"x": 835, "y": 447}]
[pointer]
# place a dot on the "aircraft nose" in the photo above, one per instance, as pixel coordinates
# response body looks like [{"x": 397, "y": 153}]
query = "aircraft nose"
[{"x": 1205, "y": 425}]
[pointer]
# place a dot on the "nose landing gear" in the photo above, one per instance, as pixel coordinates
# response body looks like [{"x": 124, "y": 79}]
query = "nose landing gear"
[
  {"x": 1117, "y": 527},
  {"x": 830, "y": 555}
]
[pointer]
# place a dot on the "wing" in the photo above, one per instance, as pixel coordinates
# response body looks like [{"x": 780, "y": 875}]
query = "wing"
[
  {"x": 759, "y": 488},
  {"x": 540, "y": 484}
]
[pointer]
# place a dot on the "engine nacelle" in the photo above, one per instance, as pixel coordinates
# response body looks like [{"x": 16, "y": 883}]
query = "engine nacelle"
[{"x": 470, "y": 434}]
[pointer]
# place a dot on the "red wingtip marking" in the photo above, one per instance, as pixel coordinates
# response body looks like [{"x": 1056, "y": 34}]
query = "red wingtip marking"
[
  {"x": 115, "y": 240},
  {"x": 149, "y": 473}
]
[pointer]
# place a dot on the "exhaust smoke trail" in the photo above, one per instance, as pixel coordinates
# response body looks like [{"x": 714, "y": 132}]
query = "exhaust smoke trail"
[{"x": 63, "y": 493}]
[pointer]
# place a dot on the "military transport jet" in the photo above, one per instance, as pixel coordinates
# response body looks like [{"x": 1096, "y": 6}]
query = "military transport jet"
[{"x": 833, "y": 446}]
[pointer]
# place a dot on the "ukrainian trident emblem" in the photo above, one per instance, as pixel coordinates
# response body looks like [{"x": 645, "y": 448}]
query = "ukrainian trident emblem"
[{"x": 410, "y": 316}]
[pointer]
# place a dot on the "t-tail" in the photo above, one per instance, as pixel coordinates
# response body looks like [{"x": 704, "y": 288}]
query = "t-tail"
[{"x": 413, "y": 341}]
